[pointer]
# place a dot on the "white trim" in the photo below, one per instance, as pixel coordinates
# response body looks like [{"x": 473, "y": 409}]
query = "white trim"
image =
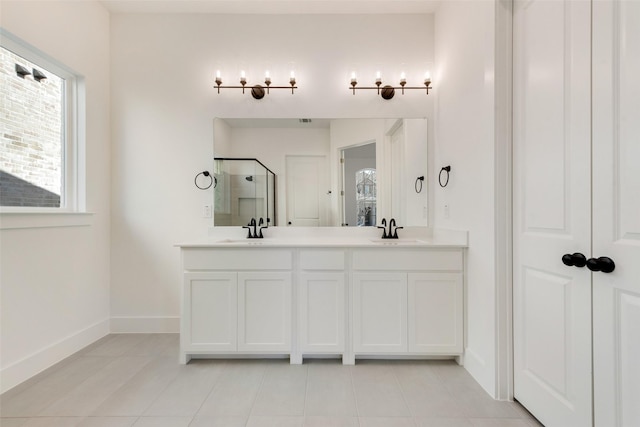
[
  {"x": 15, "y": 220},
  {"x": 147, "y": 325},
  {"x": 37, "y": 362},
  {"x": 503, "y": 199},
  {"x": 73, "y": 179}
]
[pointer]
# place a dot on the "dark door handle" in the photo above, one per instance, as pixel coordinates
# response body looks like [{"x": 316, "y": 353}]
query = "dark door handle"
[
  {"x": 574, "y": 260},
  {"x": 604, "y": 264}
]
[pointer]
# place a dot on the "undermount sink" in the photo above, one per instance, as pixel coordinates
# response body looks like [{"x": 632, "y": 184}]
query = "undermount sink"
[
  {"x": 242, "y": 241},
  {"x": 397, "y": 241}
]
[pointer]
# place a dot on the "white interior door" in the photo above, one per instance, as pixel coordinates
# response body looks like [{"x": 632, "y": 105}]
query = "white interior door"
[
  {"x": 306, "y": 182},
  {"x": 552, "y": 199},
  {"x": 616, "y": 211}
]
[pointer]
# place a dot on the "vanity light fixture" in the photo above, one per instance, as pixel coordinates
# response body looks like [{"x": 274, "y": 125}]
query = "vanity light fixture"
[
  {"x": 388, "y": 91},
  {"x": 257, "y": 91}
]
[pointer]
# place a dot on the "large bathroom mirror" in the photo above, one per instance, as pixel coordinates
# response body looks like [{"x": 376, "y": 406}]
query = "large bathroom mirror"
[{"x": 332, "y": 172}]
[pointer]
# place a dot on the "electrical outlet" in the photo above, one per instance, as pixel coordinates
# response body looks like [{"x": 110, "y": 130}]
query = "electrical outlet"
[
  {"x": 206, "y": 211},
  {"x": 447, "y": 212},
  {"x": 424, "y": 212}
]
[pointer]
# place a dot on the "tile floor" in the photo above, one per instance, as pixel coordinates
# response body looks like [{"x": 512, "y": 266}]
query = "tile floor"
[{"x": 135, "y": 380}]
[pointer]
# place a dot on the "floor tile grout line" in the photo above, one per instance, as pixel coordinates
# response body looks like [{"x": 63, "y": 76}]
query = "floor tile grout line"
[
  {"x": 166, "y": 386},
  {"x": 255, "y": 398},
  {"x": 306, "y": 394},
  {"x": 355, "y": 396},
  {"x": 402, "y": 393},
  {"x": 404, "y": 398},
  {"x": 217, "y": 383},
  {"x": 112, "y": 360}
]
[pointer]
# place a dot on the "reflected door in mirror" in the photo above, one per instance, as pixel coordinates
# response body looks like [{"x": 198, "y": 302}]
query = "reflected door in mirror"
[{"x": 306, "y": 202}]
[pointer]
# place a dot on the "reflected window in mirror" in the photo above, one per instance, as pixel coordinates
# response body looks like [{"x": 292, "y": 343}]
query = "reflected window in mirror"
[{"x": 366, "y": 197}]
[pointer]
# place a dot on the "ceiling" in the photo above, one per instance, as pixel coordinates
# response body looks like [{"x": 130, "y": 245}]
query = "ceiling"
[{"x": 273, "y": 6}]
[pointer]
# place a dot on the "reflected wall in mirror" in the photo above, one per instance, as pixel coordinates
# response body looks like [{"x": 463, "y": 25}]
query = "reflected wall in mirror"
[{"x": 305, "y": 155}]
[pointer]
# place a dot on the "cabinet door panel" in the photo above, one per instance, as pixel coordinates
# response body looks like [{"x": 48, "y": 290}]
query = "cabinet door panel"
[
  {"x": 264, "y": 311},
  {"x": 435, "y": 313},
  {"x": 321, "y": 309},
  {"x": 210, "y": 309},
  {"x": 380, "y": 312}
]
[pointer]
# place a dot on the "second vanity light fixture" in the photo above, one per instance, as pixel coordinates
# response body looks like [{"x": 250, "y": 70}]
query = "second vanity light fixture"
[
  {"x": 257, "y": 91},
  {"x": 388, "y": 91}
]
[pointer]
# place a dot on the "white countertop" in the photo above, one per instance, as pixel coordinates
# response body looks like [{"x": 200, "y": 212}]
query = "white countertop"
[{"x": 362, "y": 237}]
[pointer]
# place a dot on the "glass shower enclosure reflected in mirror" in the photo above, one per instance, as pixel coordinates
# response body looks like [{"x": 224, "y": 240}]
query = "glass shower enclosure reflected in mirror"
[{"x": 244, "y": 189}]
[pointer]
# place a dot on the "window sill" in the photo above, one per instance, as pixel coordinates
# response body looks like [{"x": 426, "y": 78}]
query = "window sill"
[{"x": 18, "y": 220}]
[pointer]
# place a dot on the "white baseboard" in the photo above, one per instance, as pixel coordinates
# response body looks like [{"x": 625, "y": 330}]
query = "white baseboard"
[
  {"x": 37, "y": 362},
  {"x": 137, "y": 325},
  {"x": 480, "y": 371}
]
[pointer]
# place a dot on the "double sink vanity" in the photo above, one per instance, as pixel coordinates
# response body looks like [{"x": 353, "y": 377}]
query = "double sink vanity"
[{"x": 323, "y": 292}]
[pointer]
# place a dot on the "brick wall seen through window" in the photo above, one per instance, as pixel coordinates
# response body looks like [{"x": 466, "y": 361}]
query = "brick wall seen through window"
[{"x": 31, "y": 134}]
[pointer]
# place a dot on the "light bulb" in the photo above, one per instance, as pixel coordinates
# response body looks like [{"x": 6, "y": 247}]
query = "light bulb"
[
  {"x": 353, "y": 77},
  {"x": 403, "y": 77}
]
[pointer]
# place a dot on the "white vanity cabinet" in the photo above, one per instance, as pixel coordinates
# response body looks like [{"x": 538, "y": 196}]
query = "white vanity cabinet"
[
  {"x": 349, "y": 298},
  {"x": 321, "y": 301},
  {"x": 407, "y": 301},
  {"x": 236, "y": 301}
]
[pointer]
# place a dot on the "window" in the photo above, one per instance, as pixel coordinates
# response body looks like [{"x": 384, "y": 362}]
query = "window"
[
  {"x": 366, "y": 197},
  {"x": 38, "y": 139}
]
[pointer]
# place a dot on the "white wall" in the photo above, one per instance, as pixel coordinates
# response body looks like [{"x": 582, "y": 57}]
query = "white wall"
[
  {"x": 55, "y": 280},
  {"x": 464, "y": 45},
  {"x": 164, "y": 103},
  {"x": 416, "y": 163}
]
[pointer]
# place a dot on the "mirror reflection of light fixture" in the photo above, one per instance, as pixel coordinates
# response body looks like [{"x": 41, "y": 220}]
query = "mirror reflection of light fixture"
[
  {"x": 257, "y": 91},
  {"x": 388, "y": 91}
]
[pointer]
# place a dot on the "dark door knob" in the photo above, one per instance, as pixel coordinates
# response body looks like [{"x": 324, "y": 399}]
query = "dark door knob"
[
  {"x": 604, "y": 264},
  {"x": 289, "y": 223},
  {"x": 576, "y": 259}
]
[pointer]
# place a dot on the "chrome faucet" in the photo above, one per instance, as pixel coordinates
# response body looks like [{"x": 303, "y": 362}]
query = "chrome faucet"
[
  {"x": 393, "y": 229},
  {"x": 257, "y": 234}
]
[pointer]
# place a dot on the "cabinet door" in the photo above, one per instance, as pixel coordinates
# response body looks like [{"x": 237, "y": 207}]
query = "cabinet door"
[
  {"x": 209, "y": 312},
  {"x": 264, "y": 311},
  {"x": 435, "y": 313},
  {"x": 321, "y": 312},
  {"x": 379, "y": 312}
]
